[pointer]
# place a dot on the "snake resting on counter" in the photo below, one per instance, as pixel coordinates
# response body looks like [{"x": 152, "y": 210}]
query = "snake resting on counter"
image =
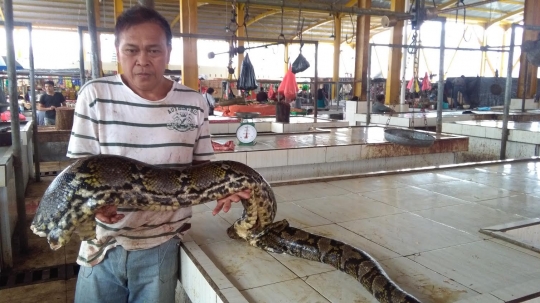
[{"x": 70, "y": 203}]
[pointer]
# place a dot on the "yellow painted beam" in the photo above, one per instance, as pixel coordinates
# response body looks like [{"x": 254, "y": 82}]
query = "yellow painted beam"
[
  {"x": 241, "y": 33},
  {"x": 503, "y": 44},
  {"x": 453, "y": 56},
  {"x": 363, "y": 29},
  {"x": 177, "y": 18},
  {"x": 483, "y": 42},
  {"x": 278, "y": 5},
  {"x": 447, "y": 4},
  {"x": 504, "y": 17},
  {"x": 393, "y": 80},
  {"x": 262, "y": 16},
  {"x": 118, "y": 9},
  {"x": 1, "y": 13},
  {"x": 337, "y": 55},
  {"x": 286, "y": 59},
  {"x": 314, "y": 26},
  {"x": 188, "y": 25},
  {"x": 530, "y": 17}
]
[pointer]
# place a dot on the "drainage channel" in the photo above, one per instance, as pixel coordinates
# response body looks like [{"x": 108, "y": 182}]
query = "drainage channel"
[{"x": 39, "y": 275}]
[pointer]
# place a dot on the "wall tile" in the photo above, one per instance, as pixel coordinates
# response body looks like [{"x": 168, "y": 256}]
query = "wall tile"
[{"x": 270, "y": 158}]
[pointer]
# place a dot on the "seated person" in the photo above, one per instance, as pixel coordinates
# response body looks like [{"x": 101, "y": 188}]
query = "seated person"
[
  {"x": 379, "y": 107},
  {"x": 262, "y": 96}
]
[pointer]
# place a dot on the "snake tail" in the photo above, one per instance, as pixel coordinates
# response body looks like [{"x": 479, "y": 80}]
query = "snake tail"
[{"x": 280, "y": 237}]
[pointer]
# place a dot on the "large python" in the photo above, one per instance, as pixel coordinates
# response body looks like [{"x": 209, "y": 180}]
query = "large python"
[{"x": 70, "y": 203}]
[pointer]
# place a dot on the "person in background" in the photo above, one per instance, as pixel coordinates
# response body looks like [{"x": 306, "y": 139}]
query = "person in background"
[
  {"x": 142, "y": 115},
  {"x": 322, "y": 98},
  {"x": 49, "y": 102},
  {"x": 210, "y": 100},
  {"x": 40, "y": 114},
  {"x": 262, "y": 96},
  {"x": 379, "y": 107},
  {"x": 460, "y": 94}
]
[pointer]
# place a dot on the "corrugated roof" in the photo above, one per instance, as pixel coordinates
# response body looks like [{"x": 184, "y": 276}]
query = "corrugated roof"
[{"x": 214, "y": 15}]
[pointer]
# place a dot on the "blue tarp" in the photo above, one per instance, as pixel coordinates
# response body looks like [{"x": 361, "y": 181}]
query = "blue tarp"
[{"x": 3, "y": 65}]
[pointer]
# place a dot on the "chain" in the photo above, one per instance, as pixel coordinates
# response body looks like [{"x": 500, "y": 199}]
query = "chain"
[
  {"x": 390, "y": 115},
  {"x": 416, "y": 64}
]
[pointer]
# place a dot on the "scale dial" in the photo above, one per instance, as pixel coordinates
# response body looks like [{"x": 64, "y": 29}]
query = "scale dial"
[{"x": 246, "y": 133}]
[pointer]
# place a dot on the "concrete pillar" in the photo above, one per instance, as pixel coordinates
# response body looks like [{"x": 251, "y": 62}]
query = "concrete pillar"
[
  {"x": 393, "y": 81},
  {"x": 530, "y": 17},
  {"x": 92, "y": 7},
  {"x": 361, "y": 49},
  {"x": 188, "y": 25}
]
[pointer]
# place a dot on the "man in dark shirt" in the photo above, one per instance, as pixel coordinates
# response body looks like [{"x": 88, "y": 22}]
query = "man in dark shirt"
[
  {"x": 49, "y": 102},
  {"x": 379, "y": 107},
  {"x": 262, "y": 96}
]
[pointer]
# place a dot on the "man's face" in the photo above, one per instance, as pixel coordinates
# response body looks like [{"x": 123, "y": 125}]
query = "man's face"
[
  {"x": 143, "y": 54},
  {"x": 49, "y": 88}
]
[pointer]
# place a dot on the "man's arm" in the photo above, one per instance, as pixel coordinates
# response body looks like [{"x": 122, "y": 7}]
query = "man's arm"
[
  {"x": 226, "y": 203},
  {"x": 41, "y": 103},
  {"x": 62, "y": 99}
]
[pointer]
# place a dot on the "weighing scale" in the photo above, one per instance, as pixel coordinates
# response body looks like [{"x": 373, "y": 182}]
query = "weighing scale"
[{"x": 246, "y": 133}]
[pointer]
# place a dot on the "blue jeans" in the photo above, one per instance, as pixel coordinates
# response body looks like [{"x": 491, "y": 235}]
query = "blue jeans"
[
  {"x": 49, "y": 121},
  {"x": 148, "y": 275}
]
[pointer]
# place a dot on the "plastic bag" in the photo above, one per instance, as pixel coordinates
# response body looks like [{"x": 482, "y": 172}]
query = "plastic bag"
[
  {"x": 288, "y": 86},
  {"x": 300, "y": 64},
  {"x": 247, "y": 80},
  {"x": 271, "y": 92}
]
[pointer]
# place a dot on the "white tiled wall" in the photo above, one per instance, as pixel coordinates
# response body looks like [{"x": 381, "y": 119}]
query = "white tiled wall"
[
  {"x": 299, "y": 156},
  {"x": 233, "y": 156},
  {"x": 343, "y": 153},
  {"x": 196, "y": 285},
  {"x": 267, "y": 158}
]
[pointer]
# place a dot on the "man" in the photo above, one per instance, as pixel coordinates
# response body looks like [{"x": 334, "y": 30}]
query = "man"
[
  {"x": 460, "y": 92},
  {"x": 379, "y": 107},
  {"x": 142, "y": 115},
  {"x": 322, "y": 98},
  {"x": 262, "y": 96},
  {"x": 49, "y": 101},
  {"x": 210, "y": 100}
]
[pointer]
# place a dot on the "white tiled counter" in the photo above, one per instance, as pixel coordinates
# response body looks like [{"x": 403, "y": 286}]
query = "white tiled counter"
[
  {"x": 8, "y": 201},
  {"x": 485, "y": 139},
  {"x": 228, "y": 125},
  {"x": 340, "y": 151}
]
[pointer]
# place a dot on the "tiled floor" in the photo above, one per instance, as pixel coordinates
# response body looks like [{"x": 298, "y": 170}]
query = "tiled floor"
[{"x": 422, "y": 227}]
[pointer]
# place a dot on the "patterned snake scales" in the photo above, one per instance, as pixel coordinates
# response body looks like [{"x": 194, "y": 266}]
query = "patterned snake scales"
[{"x": 71, "y": 200}]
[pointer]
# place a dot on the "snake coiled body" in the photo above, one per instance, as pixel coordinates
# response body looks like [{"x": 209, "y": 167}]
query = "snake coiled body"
[
  {"x": 279, "y": 237},
  {"x": 77, "y": 192},
  {"x": 71, "y": 200}
]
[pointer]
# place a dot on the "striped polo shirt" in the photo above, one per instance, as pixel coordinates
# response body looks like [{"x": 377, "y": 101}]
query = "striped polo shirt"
[{"x": 173, "y": 132}]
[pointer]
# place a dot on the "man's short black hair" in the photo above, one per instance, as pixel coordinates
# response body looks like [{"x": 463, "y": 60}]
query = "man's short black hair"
[
  {"x": 210, "y": 91},
  {"x": 51, "y": 83},
  {"x": 137, "y": 15},
  {"x": 380, "y": 97}
]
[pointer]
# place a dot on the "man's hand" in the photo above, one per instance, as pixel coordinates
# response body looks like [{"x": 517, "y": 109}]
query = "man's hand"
[
  {"x": 107, "y": 214},
  {"x": 225, "y": 203}
]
